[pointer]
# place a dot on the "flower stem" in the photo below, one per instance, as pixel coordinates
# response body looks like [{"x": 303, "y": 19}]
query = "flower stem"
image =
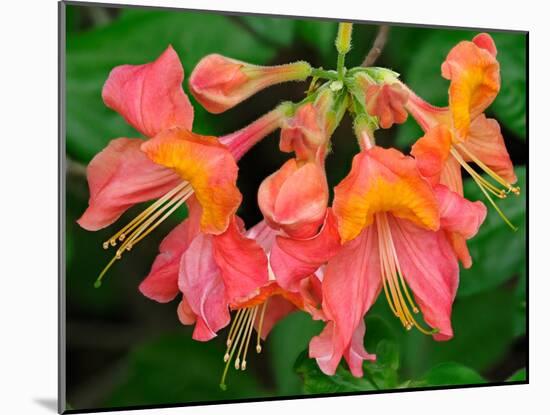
[
  {"x": 321, "y": 73},
  {"x": 340, "y": 65}
]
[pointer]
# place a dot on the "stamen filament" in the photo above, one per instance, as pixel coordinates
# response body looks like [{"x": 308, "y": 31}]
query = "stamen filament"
[
  {"x": 260, "y": 325},
  {"x": 499, "y": 211},
  {"x": 135, "y": 239},
  {"x": 248, "y": 335},
  {"x": 392, "y": 278},
  {"x": 482, "y": 184},
  {"x": 238, "y": 340},
  {"x": 491, "y": 173},
  {"x": 145, "y": 223},
  {"x": 500, "y": 193},
  {"x": 120, "y": 235}
]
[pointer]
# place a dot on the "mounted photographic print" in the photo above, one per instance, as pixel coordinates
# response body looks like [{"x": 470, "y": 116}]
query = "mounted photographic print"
[{"x": 260, "y": 207}]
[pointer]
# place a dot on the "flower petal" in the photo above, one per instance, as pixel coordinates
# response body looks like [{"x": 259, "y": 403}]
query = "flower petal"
[
  {"x": 162, "y": 282},
  {"x": 459, "y": 214},
  {"x": 387, "y": 102},
  {"x": 432, "y": 151},
  {"x": 350, "y": 286},
  {"x": 150, "y": 96},
  {"x": 201, "y": 283},
  {"x": 460, "y": 219},
  {"x": 293, "y": 259},
  {"x": 356, "y": 352},
  {"x": 304, "y": 132},
  {"x": 485, "y": 142},
  {"x": 475, "y": 81},
  {"x": 185, "y": 313},
  {"x": 120, "y": 176},
  {"x": 451, "y": 176},
  {"x": 242, "y": 263},
  {"x": 207, "y": 165},
  {"x": 430, "y": 268},
  {"x": 383, "y": 180},
  {"x": 295, "y": 198}
]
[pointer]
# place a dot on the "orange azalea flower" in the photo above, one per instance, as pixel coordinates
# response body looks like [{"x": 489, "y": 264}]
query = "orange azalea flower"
[
  {"x": 262, "y": 306},
  {"x": 461, "y": 133},
  {"x": 393, "y": 228},
  {"x": 171, "y": 166}
]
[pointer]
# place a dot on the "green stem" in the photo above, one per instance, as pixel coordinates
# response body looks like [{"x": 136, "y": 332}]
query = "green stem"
[
  {"x": 340, "y": 65},
  {"x": 321, "y": 73}
]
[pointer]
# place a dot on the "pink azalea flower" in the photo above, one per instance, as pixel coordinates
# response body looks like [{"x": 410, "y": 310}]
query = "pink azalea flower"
[
  {"x": 461, "y": 133},
  {"x": 393, "y": 226},
  {"x": 130, "y": 170}
]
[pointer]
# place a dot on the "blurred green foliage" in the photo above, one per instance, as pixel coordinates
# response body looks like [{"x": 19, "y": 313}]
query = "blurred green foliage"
[{"x": 126, "y": 350}]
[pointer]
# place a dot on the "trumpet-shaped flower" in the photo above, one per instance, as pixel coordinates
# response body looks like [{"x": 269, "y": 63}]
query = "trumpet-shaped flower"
[
  {"x": 393, "y": 226},
  {"x": 171, "y": 166},
  {"x": 462, "y": 133}
]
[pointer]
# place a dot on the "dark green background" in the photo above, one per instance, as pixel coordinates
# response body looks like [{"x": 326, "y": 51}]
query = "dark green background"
[{"x": 123, "y": 349}]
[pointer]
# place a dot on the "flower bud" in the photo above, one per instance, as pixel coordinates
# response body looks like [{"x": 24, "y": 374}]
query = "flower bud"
[
  {"x": 295, "y": 198},
  {"x": 387, "y": 102},
  {"x": 308, "y": 130},
  {"x": 220, "y": 83}
]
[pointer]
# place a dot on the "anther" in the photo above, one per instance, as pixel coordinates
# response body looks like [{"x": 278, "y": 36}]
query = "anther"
[
  {"x": 237, "y": 363},
  {"x": 226, "y": 357},
  {"x": 243, "y": 365},
  {"x": 106, "y": 245},
  {"x": 258, "y": 348}
]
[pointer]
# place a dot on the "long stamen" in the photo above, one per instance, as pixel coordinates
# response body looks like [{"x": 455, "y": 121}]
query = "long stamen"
[
  {"x": 486, "y": 187},
  {"x": 500, "y": 193},
  {"x": 491, "y": 173},
  {"x": 395, "y": 288},
  {"x": 260, "y": 326},
  {"x": 238, "y": 340},
  {"x": 121, "y": 234},
  {"x": 145, "y": 223},
  {"x": 234, "y": 341},
  {"x": 247, "y": 341}
]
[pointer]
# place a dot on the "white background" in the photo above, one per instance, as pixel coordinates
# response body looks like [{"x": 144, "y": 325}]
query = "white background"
[{"x": 28, "y": 209}]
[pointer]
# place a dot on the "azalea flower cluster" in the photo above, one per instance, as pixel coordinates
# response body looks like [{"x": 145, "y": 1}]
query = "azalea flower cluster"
[{"x": 397, "y": 223}]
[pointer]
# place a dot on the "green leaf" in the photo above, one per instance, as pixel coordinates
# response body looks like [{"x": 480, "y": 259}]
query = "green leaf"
[
  {"x": 485, "y": 319},
  {"x": 498, "y": 253},
  {"x": 176, "y": 369},
  {"x": 510, "y": 104},
  {"x": 140, "y": 36},
  {"x": 449, "y": 373},
  {"x": 380, "y": 374},
  {"x": 288, "y": 338},
  {"x": 316, "y": 381},
  {"x": 520, "y": 301},
  {"x": 275, "y": 31},
  {"x": 519, "y": 376}
]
